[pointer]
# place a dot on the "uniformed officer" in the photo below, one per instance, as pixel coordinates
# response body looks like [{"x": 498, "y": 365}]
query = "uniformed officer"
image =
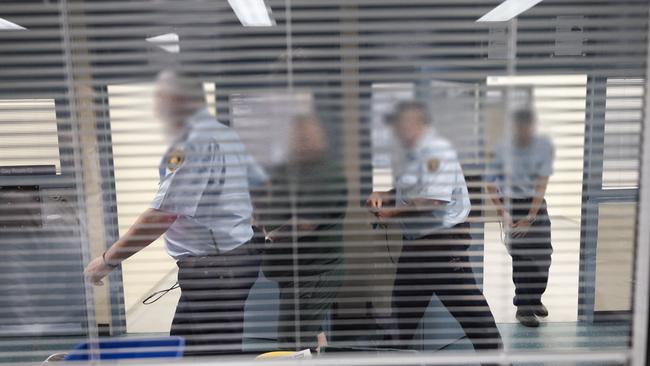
[
  {"x": 522, "y": 167},
  {"x": 203, "y": 207},
  {"x": 431, "y": 202}
]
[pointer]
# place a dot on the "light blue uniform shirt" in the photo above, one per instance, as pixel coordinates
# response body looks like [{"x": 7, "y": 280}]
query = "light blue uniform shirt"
[
  {"x": 431, "y": 170},
  {"x": 204, "y": 179},
  {"x": 516, "y": 169}
]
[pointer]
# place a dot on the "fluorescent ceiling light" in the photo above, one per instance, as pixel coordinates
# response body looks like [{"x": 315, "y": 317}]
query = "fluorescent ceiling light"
[
  {"x": 167, "y": 41},
  {"x": 7, "y": 25},
  {"x": 252, "y": 13},
  {"x": 508, "y": 10}
]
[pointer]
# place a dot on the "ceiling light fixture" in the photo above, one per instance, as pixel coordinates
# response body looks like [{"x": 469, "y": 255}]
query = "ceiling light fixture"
[
  {"x": 252, "y": 13},
  {"x": 167, "y": 41},
  {"x": 7, "y": 25},
  {"x": 508, "y": 10}
]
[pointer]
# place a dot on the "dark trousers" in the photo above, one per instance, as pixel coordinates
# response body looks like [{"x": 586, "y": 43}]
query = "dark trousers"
[
  {"x": 214, "y": 289},
  {"x": 438, "y": 264},
  {"x": 531, "y": 255},
  {"x": 304, "y": 306}
]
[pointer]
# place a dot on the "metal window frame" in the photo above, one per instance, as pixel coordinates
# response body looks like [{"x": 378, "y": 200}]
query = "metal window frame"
[
  {"x": 640, "y": 355},
  {"x": 593, "y": 195}
]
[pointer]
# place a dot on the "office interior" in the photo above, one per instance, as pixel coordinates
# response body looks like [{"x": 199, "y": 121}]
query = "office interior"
[{"x": 80, "y": 143}]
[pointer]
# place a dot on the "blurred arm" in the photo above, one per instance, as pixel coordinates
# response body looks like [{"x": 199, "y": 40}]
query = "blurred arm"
[
  {"x": 303, "y": 227},
  {"x": 148, "y": 227},
  {"x": 495, "y": 197},
  {"x": 411, "y": 206},
  {"x": 538, "y": 199},
  {"x": 256, "y": 175}
]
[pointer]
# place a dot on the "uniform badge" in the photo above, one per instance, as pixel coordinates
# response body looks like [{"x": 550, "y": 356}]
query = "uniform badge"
[
  {"x": 175, "y": 160},
  {"x": 433, "y": 165}
]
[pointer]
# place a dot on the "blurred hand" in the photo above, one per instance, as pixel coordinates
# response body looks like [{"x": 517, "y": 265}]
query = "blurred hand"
[
  {"x": 386, "y": 213},
  {"x": 375, "y": 201},
  {"x": 96, "y": 270},
  {"x": 271, "y": 236},
  {"x": 520, "y": 228}
]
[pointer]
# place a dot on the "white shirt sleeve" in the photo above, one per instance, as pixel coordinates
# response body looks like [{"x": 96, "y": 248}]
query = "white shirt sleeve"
[
  {"x": 438, "y": 175},
  {"x": 548, "y": 156},
  {"x": 181, "y": 190}
]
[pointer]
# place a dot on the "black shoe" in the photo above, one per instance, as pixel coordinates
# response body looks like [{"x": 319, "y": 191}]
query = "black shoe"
[
  {"x": 541, "y": 311},
  {"x": 527, "y": 319}
]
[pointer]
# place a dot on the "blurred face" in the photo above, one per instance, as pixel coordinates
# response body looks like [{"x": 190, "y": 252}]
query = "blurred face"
[
  {"x": 308, "y": 140},
  {"x": 172, "y": 109},
  {"x": 524, "y": 132},
  {"x": 410, "y": 126}
]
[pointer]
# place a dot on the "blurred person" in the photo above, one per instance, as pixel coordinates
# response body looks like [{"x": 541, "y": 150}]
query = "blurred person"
[
  {"x": 431, "y": 203},
  {"x": 308, "y": 199},
  {"x": 522, "y": 168},
  {"x": 203, "y": 208}
]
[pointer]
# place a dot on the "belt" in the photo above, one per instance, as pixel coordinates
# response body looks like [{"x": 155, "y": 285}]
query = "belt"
[
  {"x": 459, "y": 229},
  {"x": 520, "y": 200},
  {"x": 247, "y": 249}
]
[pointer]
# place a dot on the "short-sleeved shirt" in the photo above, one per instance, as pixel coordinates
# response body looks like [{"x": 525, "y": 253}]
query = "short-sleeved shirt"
[
  {"x": 315, "y": 191},
  {"x": 204, "y": 180},
  {"x": 430, "y": 170},
  {"x": 516, "y": 169}
]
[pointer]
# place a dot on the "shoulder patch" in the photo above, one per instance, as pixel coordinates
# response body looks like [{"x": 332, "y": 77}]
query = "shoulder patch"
[
  {"x": 175, "y": 159},
  {"x": 433, "y": 164}
]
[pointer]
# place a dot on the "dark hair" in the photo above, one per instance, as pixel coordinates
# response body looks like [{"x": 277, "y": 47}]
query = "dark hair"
[
  {"x": 524, "y": 116},
  {"x": 402, "y": 107}
]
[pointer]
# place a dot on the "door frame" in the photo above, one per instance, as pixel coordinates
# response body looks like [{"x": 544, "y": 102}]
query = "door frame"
[{"x": 593, "y": 195}]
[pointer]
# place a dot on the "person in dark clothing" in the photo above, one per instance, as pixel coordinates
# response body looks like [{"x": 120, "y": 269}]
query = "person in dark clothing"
[{"x": 304, "y": 224}]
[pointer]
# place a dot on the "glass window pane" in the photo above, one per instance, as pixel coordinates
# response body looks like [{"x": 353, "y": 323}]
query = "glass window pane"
[
  {"x": 28, "y": 133},
  {"x": 624, "y": 111}
]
